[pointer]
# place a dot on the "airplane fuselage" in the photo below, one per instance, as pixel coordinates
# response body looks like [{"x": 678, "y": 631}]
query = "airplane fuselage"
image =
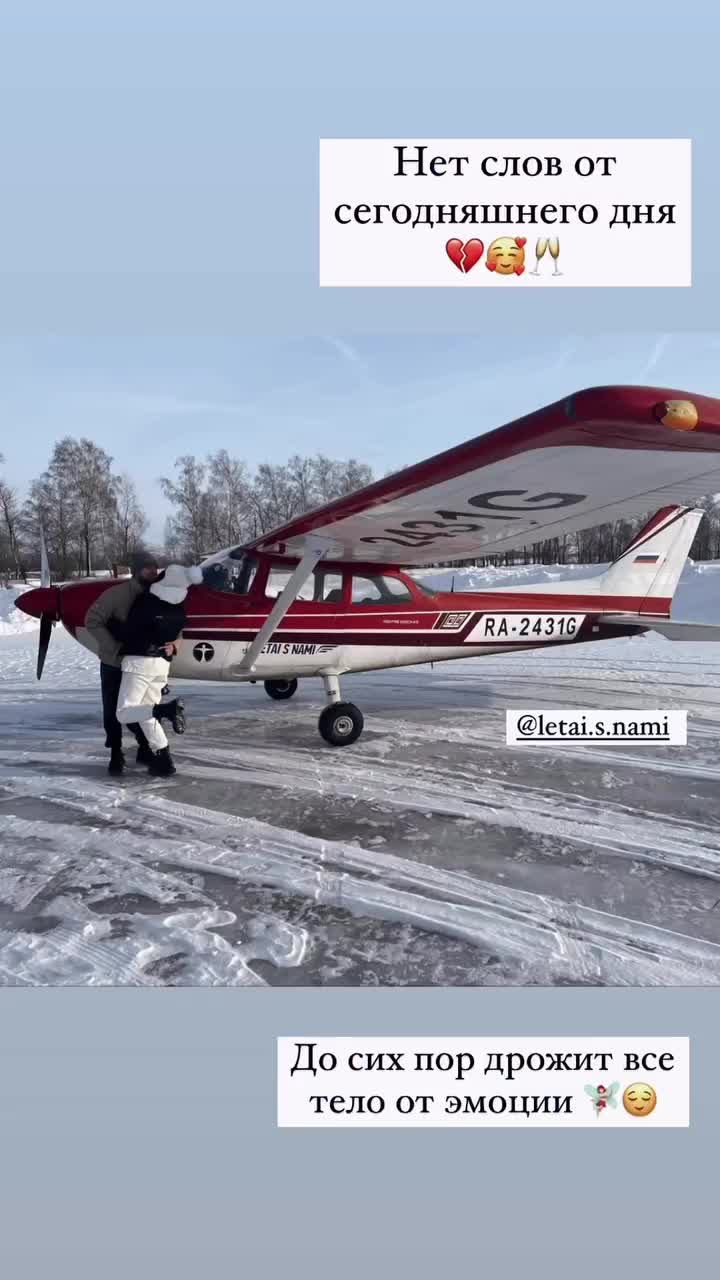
[{"x": 319, "y": 637}]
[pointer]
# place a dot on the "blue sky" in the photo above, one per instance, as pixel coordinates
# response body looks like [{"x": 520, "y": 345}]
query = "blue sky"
[
  {"x": 389, "y": 400},
  {"x": 158, "y": 222},
  {"x": 160, "y": 157}
]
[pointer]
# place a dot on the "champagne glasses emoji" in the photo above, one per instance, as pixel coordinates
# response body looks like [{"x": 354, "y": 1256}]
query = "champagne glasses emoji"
[
  {"x": 540, "y": 248},
  {"x": 554, "y": 247}
]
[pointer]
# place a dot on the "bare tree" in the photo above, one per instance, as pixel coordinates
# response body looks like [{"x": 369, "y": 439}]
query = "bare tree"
[
  {"x": 50, "y": 506},
  {"x": 273, "y": 499},
  {"x": 10, "y": 523},
  {"x": 228, "y": 499},
  {"x": 74, "y": 502},
  {"x": 10, "y": 551},
  {"x": 188, "y": 495},
  {"x": 85, "y": 468},
  {"x": 130, "y": 520}
]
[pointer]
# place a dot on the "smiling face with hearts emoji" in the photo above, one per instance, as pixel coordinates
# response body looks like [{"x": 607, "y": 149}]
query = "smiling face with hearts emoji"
[{"x": 506, "y": 256}]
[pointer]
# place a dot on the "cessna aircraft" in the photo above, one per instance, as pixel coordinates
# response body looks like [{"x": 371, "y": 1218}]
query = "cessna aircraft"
[{"x": 328, "y": 593}]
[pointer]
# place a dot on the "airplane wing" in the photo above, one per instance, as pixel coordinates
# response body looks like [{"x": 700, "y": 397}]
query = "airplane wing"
[
  {"x": 697, "y": 631},
  {"x": 599, "y": 455}
]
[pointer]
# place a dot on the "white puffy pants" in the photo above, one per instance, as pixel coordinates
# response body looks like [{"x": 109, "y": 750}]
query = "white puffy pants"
[{"x": 143, "y": 680}]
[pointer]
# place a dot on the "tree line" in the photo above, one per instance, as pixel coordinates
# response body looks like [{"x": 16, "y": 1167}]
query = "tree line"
[
  {"x": 93, "y": 519},
  {"x": 217, "y": 503},
  {"x": 606, "y": 542},
  {"x": 90, "y": 515}
]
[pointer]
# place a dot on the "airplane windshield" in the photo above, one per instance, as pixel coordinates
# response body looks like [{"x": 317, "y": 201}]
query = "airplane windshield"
[{"x": 231, "y": 573}]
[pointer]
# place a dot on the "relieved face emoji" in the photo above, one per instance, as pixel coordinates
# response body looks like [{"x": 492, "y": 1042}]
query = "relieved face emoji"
[
  {"x": 639, "y": 1099},
  {"x": 506, "y": 255}
]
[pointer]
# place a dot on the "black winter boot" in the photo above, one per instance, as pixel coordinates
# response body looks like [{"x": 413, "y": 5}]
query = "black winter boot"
[
  {"x": 144, "y": 754},
  {"x": 174, "y": 712},
  {"x": 117, "y": 761},
  {"x": 162, "y": 765}
]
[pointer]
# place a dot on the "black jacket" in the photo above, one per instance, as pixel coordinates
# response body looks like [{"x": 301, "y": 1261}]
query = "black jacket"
[{"x": 151, "y": 623}]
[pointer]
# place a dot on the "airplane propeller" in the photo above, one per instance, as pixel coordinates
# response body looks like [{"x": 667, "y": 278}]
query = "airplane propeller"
[
  {"x": 47, "y": 620},
  {"x": 45, "y": 580}
]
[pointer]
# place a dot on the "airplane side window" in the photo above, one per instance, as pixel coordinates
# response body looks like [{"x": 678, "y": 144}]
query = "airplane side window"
[
  {"x": 330, "y": 588},
  {"x": 379, "y": 590},
  {"x": 322, "y": 587},
  {"x": 277, "y": 581},
  {"x": 366, "y": 591},
  {"x": 397, "y": 589}
]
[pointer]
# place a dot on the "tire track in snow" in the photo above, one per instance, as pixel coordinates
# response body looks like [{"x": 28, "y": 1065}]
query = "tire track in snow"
[
  {"x": 658, "y": 839},
  {"x": 540, "y": 934},
  {"x": 72, "y": 936},
  {"x": 492, "y": 738}
]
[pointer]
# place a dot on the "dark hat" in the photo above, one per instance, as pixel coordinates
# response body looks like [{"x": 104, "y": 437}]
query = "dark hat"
[{"x": 143, "y": 560}]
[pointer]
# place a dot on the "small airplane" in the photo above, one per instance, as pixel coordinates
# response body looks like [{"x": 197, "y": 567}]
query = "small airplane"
[{"x": 333, "y": 591}]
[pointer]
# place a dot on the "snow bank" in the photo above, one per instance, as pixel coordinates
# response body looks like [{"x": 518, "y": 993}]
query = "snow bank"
[
  {"x": 525, "y": 575},
  {"x": 12, "y": 621}
]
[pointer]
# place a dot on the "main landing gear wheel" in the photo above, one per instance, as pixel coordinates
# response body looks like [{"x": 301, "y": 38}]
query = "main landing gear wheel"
[
  {"x": 280, "y": 689},
  {"x": 341, "y": 723}
]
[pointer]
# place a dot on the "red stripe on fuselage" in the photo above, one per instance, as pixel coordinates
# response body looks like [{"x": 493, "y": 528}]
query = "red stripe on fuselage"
[
  {"x": 316, "y": 619},
  {"x": 406, "y": 640},
  {"x": 378, "y": 621}
]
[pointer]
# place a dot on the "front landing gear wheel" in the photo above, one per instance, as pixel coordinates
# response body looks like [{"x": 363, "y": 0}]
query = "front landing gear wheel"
[
  {"x": 341, "y": 723},
  {"x": 280, "y": 689}
]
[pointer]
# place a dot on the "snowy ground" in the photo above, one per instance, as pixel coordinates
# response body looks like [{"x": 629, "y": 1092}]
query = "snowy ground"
[{"x": 428, "y": 854}]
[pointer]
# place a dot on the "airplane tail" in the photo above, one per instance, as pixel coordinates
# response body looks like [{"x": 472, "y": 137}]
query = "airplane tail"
[
  {"x": 650, "y": 568},
  {"x": 643, "y": 580}
]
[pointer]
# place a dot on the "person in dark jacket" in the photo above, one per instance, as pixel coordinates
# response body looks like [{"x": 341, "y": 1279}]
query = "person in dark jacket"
[
  {"x": 149, "y": 640},
  {"x": 103, "y": 617}
]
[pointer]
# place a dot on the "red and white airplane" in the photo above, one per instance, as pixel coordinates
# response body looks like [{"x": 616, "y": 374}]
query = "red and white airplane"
[{"x": 327, "y": 594}]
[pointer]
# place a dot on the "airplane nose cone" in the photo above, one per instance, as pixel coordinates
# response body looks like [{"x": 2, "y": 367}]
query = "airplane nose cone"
[{"x": 39, "y": 601}]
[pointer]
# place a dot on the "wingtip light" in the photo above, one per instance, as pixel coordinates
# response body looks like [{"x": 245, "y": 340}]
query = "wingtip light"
[{"x": 681, "y": 415}]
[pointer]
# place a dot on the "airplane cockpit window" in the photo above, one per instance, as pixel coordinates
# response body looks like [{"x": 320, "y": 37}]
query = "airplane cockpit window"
[
  {"x": 379, "y": 589},
  {"x": 232, "y": 573}
]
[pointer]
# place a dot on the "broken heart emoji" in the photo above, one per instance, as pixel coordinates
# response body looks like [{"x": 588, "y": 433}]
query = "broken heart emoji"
[{"x": 465, "y": 256}]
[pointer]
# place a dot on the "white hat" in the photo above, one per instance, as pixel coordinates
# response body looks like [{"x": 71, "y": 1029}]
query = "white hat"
[{"x": 173, "y": 586}]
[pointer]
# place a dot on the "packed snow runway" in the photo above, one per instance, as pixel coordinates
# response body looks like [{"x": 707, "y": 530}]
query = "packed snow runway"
[{"x": 427, "y": 854}]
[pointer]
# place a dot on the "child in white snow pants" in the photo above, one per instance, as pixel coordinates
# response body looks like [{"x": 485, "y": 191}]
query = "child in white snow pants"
[
  {"x": 149, "y": 640},
  {"x": 143, "y": 680}
]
